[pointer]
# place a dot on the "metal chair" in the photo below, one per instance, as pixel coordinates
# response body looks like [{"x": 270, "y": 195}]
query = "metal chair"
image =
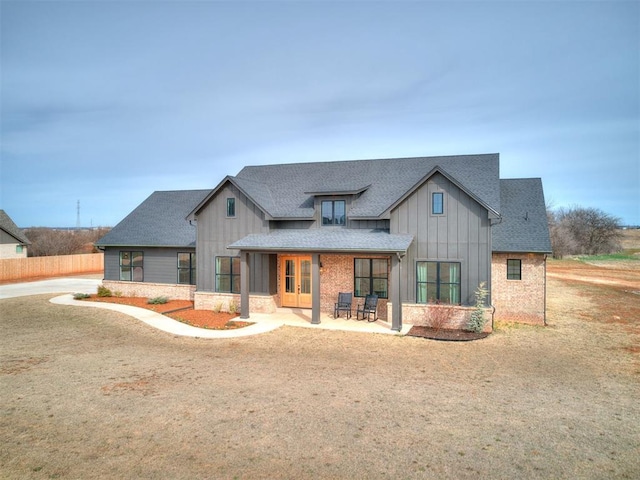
[
  {"x": 343, "y": 304},
  {"x": 369, "y": 307}
]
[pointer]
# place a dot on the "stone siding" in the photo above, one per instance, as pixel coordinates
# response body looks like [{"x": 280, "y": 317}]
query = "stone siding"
[
  {"x": 224, "y": 301},
  {"x": 151, "y": 290},
  {"x": 439, "y": 316},
  {"x": 522, "y": 301}
]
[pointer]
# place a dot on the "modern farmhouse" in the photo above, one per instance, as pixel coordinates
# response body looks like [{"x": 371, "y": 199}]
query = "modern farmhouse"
[{"x": 416, "y": 232}]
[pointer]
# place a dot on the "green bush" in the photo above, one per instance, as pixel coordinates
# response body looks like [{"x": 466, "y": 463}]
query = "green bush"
[
  {"x": 477, "y": 320},
  {"x": 81, "y": 296},
  {"x": 157, "y": 300},
  {"x": 104, "y": 291}
]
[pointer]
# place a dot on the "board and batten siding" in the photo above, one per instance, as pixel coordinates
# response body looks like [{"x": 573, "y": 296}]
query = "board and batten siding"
[
  {"x": 160, "y": 264},
  {"x": 462, "y": 234},
  {"x": 216, "y": 231}
]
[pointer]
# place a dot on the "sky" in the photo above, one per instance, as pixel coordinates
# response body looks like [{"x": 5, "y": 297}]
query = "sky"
[{"x": 105, "y": 102}]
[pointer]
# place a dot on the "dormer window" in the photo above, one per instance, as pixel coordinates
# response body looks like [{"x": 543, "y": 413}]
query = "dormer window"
[{"x": 333, "y": 212}]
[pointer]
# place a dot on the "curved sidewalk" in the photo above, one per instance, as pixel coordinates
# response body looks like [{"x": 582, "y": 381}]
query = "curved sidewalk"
[{"x": 167, "y": 324}]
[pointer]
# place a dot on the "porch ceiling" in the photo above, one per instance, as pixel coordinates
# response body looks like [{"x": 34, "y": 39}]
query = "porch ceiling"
[{"x": 326, "y": 239}]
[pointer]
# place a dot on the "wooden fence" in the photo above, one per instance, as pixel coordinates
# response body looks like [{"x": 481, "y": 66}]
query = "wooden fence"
[{"x": 54, "y": 266}]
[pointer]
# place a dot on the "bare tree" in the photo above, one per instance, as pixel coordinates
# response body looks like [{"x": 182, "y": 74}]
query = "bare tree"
[
  {"x": 583, "y": 231},
  {"x": 48, "y": 241}
]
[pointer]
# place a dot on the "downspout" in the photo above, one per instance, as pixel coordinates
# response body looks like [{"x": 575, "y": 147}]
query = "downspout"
[{"x": 544, "y": 313}]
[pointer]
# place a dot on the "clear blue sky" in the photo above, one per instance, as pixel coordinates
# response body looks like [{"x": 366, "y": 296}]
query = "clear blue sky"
[{"x": 107, "y": 101}]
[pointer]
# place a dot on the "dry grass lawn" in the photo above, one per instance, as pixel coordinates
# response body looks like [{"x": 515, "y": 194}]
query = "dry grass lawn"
[{"x": 86, "y": 393}]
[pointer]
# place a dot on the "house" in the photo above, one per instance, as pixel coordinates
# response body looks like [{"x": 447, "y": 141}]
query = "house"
[
  {"x": 13, "y": 242},
  {"x": 417, "y": 232}
]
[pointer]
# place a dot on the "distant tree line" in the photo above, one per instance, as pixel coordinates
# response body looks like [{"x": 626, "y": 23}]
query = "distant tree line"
[
  {"x": 583, "y": 231},
  {"x": 49, "y": 241}
]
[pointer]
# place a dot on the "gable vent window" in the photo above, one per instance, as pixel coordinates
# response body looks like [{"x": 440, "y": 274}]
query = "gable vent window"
[
  {"x": 437, "y": 203},
  {"x": 231, "y": 207},
  {"x": 333, "y": 212}
]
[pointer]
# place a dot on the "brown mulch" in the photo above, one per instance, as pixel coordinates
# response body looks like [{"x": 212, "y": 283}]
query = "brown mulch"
[
  {"x": 445, "y": 334},
  {"x": 181, "y": 310}
]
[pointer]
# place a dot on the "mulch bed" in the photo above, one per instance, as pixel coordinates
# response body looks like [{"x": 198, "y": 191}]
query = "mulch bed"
[
  {"x": 445, "y": 334},
  {"x": 181, "y": 310}
]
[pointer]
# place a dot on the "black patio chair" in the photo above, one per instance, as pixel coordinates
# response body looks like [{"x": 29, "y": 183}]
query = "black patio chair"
[
  {"x": 343, "y": 304},
  {"x": 370, "y": 307}
]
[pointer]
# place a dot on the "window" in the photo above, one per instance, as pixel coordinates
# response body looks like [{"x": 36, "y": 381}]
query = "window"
[
  {"x": 228, "y": 274},
  {"x": 333, "y": 212},
  {"x": 514, "y": 269},
  {"x": 131, "y": 266},
  {"x": 437, "y": 203},
  {"x": 187, "y": 268},
  {"x": 438, "y": 282},
  {"x": 371, "y": 277},
  {"x": 231, "y": 207},
  {"x": 18, "y": 248}
]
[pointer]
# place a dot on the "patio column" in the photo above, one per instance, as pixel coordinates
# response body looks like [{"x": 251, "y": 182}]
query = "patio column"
[
  {"x": 315, "y": 288},
  {"x": 396, "y": 297},
  {"x": 244, "y": 285}
]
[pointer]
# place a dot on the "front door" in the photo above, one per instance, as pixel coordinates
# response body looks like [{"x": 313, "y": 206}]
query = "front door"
[{"x": 295, "y": 281}]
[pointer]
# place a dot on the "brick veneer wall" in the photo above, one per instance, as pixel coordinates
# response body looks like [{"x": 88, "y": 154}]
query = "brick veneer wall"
[
  {"x": 222, "y": 301},
  {"x": 524, "y": 300},
  {"x": 151, "y": 290},
  {"x": 422, "y": 315},
  {"x": 337, "y": 276}
]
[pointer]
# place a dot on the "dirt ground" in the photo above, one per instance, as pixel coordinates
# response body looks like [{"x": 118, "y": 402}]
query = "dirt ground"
[{"x": 87, "y": 393}]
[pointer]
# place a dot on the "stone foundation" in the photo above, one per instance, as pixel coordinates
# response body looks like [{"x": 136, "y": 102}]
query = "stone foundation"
[
  {"x": 225, "y": 301},
  {"x": 151, "y": 290},
  {"x": 423, "y": 315}
]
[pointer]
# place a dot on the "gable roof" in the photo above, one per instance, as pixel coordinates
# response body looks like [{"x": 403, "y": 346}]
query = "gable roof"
[
  {"x": 159, "y": 221},
  {"x": 12, "y": 229},
  {"x": 287, "y": 191},
  {"x": 524, "y": 226}
]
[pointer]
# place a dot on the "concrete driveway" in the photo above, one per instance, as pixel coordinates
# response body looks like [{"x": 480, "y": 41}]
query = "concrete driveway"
[{"x": 54, "y": 285}]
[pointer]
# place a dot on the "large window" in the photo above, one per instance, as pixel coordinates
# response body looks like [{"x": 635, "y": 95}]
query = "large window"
[
  {"x": 514, "y": 269},
  {"x": 371, "y": 277},
  {"x": 187, "y": 268},
  {"x": 438, "y": 282},
  {"x": 228, "y": 274},
  {"x": 333, "y": 212},
  {"x": 131, "y": 266}
]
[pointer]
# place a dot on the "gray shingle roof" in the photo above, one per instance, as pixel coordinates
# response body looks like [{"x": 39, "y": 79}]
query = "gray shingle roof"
[
  {"x": 524, "y": 226},
  {"x": 326, "y": 239},
  {"x": 12, "y": 229},
  {"x": 159, "y": 221},
  {"x": 282, "y": 191}
]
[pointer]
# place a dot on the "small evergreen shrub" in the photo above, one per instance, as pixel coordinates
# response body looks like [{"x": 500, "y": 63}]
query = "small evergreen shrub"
[
  {"x": 157, "y": 300},
  {"x": 477, "y": 320},
  {"x": 81, "y": 296},
  {"x": 104, "y": 291}
]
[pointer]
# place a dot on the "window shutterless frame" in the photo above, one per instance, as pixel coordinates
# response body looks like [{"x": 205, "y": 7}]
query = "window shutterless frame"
[
  {"x": 438, "y": 282},
  {"x": 514, "y": 269},
  {"x": 132, "y": 266},
  {"x": 370, "y": 277},
  {"x": 231, "y": 207},
  {"x": 187, "y": 268},
  {"x": 333, "y": 212},
  {"x": 437, "y": 203},
  {"x": 227, "y": 274}
]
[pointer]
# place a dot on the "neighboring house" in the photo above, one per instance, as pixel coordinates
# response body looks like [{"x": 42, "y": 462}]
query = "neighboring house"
[
  {"x": 414, "y": 231},
  {"x": 13, "y": 242}
]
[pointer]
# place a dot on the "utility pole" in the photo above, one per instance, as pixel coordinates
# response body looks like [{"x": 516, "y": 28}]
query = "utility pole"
[{"x": 78, "y": 217}]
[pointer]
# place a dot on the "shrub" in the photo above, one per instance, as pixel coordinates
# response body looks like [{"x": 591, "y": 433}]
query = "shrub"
[
  {"x": 81, "y": 296},
  {"x": 440, "y": 314},
  {"x": 117, "y": 294},
  {"x": 157, "y": 300},
  {"x": 217, "y": 308},
  {"x": 104, "y": 291},
  {"x": 233, "y": 307},
  {"x": 477, "y": 320}
]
